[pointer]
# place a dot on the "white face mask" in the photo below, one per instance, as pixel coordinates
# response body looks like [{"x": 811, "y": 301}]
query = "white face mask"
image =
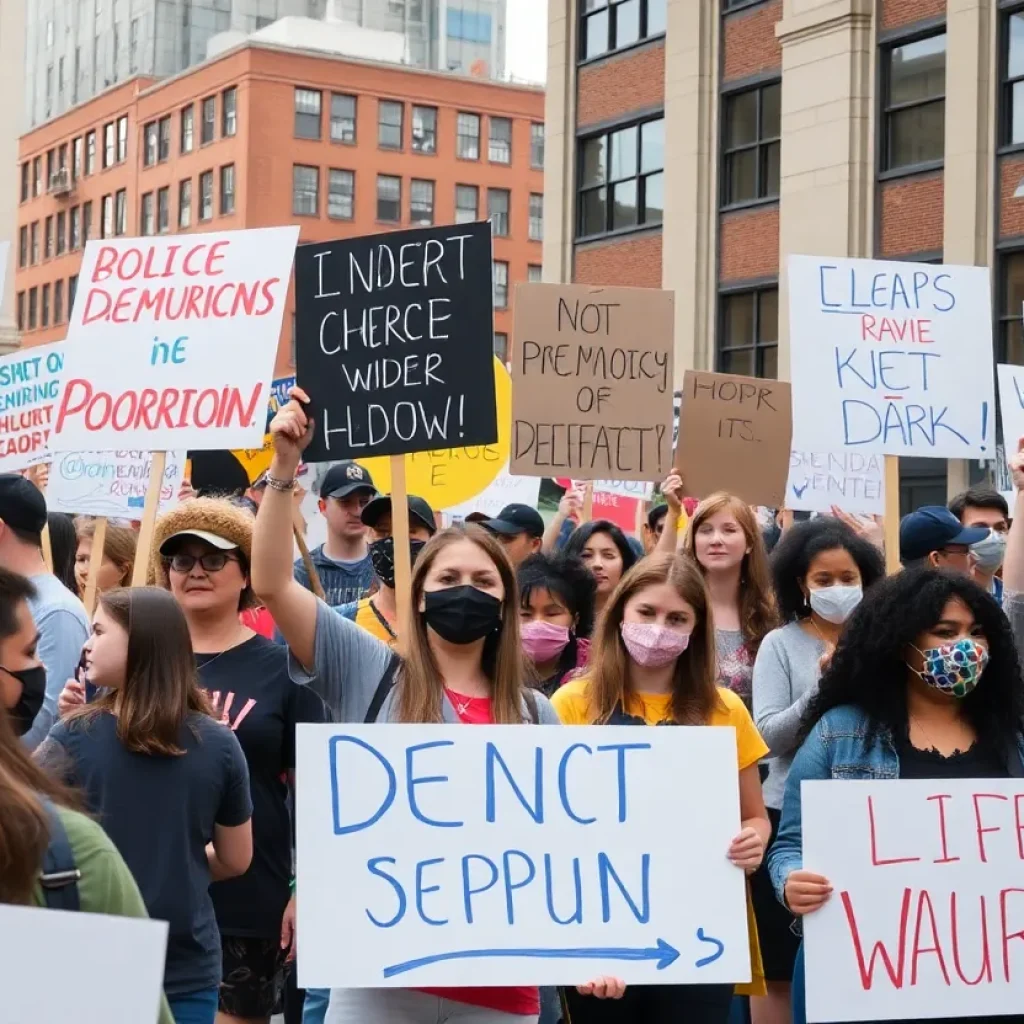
[
  {"x": 988, "y": 553},
  {"x": 835, "y": 604}
]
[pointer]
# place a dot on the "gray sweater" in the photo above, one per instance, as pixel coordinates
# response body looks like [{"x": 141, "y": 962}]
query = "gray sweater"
[{"x": 786, "y": 676}]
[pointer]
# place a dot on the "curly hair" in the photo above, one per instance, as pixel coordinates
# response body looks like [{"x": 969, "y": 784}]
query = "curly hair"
[
  {"x": 564, "y": 576},
  {"x": 799, "y": 546},
  {"x": 869, "y": 669}
]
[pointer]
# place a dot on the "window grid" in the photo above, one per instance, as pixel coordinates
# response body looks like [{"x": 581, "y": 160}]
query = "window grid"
[
  {"x": 58, "y": 302},
  {"x": 537, "y": 146},
  {"x": 227, "y": 189},
  {"x": 424, "y": 129},
  {"x": 421, "y": 202},
  {"x": 913, "y": 123},
  {"x": 343, "y": 118},
  {"x": 148, "y": 218},
  {"x": 206, "y": 195},
  {"x": 751, "y": 144},
  {"x": 208, "y": 128},
  {"x": 609, "y": 25},
  {"x": 389, "y": 198},
  {"x": 1010, "y": 338},
  {"x": 499, "y": 274},
  {"x": 307, "y": 113},
  {"x": 163, "y": 210},
  {"x": 150, "y": 141},
  {"x": 467, "y": 203},
  {"x": 536, "y": 217},
  {"x": 534, "y": 273},
  {"x": 341, "y": 194},
  {"x": 121, "y": 212},
  {"x": 187, "y": 126},
  {"x": 500, "y": 347},
  {"x": 499, "y": 142},
  {"x": 305, "y": 190},
  {"x": 748, "y": 333},
  {"x": 468, "y": 137},
  {"x": 61, "y": 240},
  {"x": 229, "y": 112},
  {"x": 498, "y": 202},
  {"x": 389, "y": 124},
  {"x": 164, "y": 141},
  {"x": 185, "y": 203}
]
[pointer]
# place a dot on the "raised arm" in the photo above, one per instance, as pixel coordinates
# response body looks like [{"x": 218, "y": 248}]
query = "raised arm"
[
  {"x": 568, "y": 508},
  {"x": 670, "y": 540}
]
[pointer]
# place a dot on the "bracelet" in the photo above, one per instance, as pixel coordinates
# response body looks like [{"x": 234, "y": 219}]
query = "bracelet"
[{"x": 279, "y": 485}]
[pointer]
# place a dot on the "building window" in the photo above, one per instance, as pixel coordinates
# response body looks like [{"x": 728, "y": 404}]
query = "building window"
[
  {"x": 1010, "y": 342},
  {"x": 148, "y": 215},
  {"x": 58, "y": 302},
  {"x": 307, "y": 114},
  {"x": 914, "y": 97},
  {"x": 21, "y": 311},
  {"x": 536, "y": 217},
  {"x": 421, "y": 202},
  {"x": 122, "y": 139},
  {"x": 72, "y": 292},
  {"x": 149, "y": 146},
  {"x": 121, "y": 212},
  {"x": 206, "y": 195},
  {"x": 305, "y": 190},
  {"x": 389, "y": 124},
  {"x": 341, "y": 194},
  {"x": 424, "y": 129},
  {"x": 163, "y": 210},
  {"x": 621, "y": 180},
  {"x": 1013, "y": 79},
  {"x": 467, "y": 203},
  {"x": 469, "y": 26},
  {"x": 75, "y": 229},
  {"x": 750, "y": 157},
  {"x": 23, "y": 246},
  {"x": 187, "y": 122},
  {"x": 227, "y": 189},
  {"x": 534, "y": 273},
  {"x": 228, "y": 112},
  {"x": 37, "y": 176},
  {"x": 109, "y": 144},
  {"x": 49, "y": 168},
  {"x": 607, "y": 25},
  {"x": 62, "y": 158},
  {"x": 537, "y": 146},
  {"x": 389, "y": 198},
  {"x": 26, "y": 180},
  {"x": 48, "y": 238},
  {"x": 34, "y": 243},
  {"x": 62, "y": 233},
  {"x": 90, "y": 152},
  {"x": 185, "y": 203},
  {"x": 76, "y": 158},
  {"x": 86, "y": 221},
  {"x": 468, "y": 139},
  {"x": 208, "y": 128},
  {"x": 501, "y": 346},
  {"x": 44, "y": 312},
  {"x": 499, "y": 142},
  {"x": 748, "y": 340},
  {"x": 497, "y": 210},
  {"x": 343, "y": 118},
  {"x": 164, "y": 145},
  {"x": 499, "y": 273},
  {"x": 33, "y": 308}
]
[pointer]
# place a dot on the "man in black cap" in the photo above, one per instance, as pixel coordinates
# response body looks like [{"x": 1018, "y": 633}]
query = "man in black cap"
[
  {"x": 933, "y": 536},
  {"x": 342, "y": 562},
  {"x": 59, "y": 615},
  {"x": 520, "y": 529}
]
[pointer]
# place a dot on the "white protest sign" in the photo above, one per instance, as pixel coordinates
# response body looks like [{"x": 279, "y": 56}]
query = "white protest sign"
[
  {"x": 1011, "y": 404},
  {"x": 110, "y": 484},
  {"x": 172, "y": 341},
  {"x": 892, "y": 358},
  {"x": 505, "y": 489},
  {"x": 926, "y": 917},
  {"x": 111, "y": 968},
  {"x": 443, "y": 855},
  {"x": 622, "y": 488},
  {"x": 851, "y": 480},
  {"x": 30, "y": 382}
]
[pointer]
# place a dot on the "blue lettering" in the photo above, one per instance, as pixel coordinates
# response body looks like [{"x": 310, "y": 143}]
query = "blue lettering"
[
  {"x": 847, "y": 364},
  {"x": 892, "y": 423},
  {"x": 412, "y": 782},
  {"x": 468, "y": 890},
  {"x": 422, "y": 890},
  {"x": 576, "y": 917},
  {"x": 371, "y": 866},
  {"x": 621, "y": 749},
  {"x": 339, "y": 829},
  {"x": 537, "y": 810},
  {"x": 884, "y": 366},
  {"x": 563, "y": 791},
  {"x": 510, "y": 885},
  {"x": 942, "y": 290},
  {"x": 606, "y": 872},
  {"x": 878, "y": 284},
  {"x": 821, "y": 281}
]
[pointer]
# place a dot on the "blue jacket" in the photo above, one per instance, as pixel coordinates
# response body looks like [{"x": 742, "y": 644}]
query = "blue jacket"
[
  {"x": 837, "y": 748},
  {"x": 342, "y": 583}
]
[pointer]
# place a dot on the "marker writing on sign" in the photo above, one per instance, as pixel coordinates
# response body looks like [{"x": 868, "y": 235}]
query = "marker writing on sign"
[{"x": 740, "y": 402}]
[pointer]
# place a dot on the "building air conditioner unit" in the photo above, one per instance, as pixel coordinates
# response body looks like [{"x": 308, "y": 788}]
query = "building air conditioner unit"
[{"x": 60, "y": 182}]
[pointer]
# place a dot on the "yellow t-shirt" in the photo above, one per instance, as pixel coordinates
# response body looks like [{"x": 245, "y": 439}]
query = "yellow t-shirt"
[
  {"x": 365, "y": 615},
  {"x": 573, "y": 707}
]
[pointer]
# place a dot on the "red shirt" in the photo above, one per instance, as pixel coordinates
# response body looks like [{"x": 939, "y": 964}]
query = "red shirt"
[
  {"x": 259, "y": 621},
  {"x": 523, "y": 1001}
]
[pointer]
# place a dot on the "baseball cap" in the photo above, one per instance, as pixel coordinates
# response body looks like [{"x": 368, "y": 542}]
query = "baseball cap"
[
  {"x": 418, "y": 510},
  {"x": 514, "y": 519},
  {"x": 344, "y": 479},
  {"x": 22, "y": 505},
  {"x": 931, "y": 528},
  {"x": 220, "y": 543}
]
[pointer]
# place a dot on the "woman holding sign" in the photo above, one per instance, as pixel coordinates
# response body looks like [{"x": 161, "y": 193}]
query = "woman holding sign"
[{"x": 653, "y": 663}]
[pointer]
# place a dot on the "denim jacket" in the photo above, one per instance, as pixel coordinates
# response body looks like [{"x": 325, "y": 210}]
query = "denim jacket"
[
  {"x": 342, "y": 583},
  {"x": 838, "y": 748}
]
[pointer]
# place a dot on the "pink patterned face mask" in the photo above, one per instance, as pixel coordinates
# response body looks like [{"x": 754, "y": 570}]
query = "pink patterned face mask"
[
  {"x": 543, "y": 641},
  {"x": 653, "y": 646}
]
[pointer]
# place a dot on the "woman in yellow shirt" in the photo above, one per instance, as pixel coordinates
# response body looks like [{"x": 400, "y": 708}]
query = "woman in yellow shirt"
[{"x": 652, "y": 662}]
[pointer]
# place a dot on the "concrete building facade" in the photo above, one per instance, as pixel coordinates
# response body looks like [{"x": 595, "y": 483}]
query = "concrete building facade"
[
  {"x": 12, "y": 82},
  {"x": 264, "y": 135},
  {"x": 891, "y": 129}
]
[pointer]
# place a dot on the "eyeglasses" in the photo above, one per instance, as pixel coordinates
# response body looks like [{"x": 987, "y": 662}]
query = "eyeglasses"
[{"x": 213, "y": 561}]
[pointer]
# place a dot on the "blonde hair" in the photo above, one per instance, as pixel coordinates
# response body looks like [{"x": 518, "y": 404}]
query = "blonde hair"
[
  {"x": 419, "y": 689},
  {"x": 119, "y": 545}
]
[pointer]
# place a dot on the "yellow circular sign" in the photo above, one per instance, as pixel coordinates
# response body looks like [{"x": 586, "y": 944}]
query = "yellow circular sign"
[
  {"x": 256, "y": 460},
  {"x": 451, "y": 476}
]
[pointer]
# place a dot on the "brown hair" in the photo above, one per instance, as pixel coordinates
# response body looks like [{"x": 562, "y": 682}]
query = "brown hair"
[
  {"x": 420, "y": 686},
  {"x": 119, "y": 545},
  {"x": 160, "y": 685},
  {"x": 758, "y": 614},
  {"x": 694, "y": 687}
]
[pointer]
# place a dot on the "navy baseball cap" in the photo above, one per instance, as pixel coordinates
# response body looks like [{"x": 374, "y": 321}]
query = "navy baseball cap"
[
  {"x": 418, "y": 510},
  {"x": 22, "y": 504},
  {"x": 932, "y": 528},
  {"x": 344, "y": 479},
  {"x": 516, "y": 519}
]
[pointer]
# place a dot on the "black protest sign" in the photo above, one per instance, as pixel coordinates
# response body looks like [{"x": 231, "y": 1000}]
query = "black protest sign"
[{"x": 394, "y": 342}]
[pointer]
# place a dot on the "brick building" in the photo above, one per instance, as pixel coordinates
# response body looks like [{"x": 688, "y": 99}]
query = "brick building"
[
  {"x": 867, "y": 128},
  {"x": 265, "y": 135}
]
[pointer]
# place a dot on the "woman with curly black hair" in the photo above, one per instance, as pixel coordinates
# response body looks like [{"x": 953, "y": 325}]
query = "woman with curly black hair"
[
  {"x": 603, "y": 548},
  {"x": 925, "y": 683},
  {"x": 820, "y": 569}
]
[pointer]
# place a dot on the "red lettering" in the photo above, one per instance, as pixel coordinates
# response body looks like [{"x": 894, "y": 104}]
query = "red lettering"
[
  {"x": 1018, "y": 816},
  {"x": 268, "y": 296},
  {"x": 247, "y": 414},
  {"x": 150, "y": 301},
  {"x": 924, "y": 901},
  {"x": 223, "y": 411},
  {"x": 215, "y": 254},
  {"x": 945, "y": 858},
  {"x": 208, "y": 393},
  {"x": 106, "y": 260},
  {"x": 924, "y": 332},
  {"x": 168, "y": 399},
  {"x": 1008, "y": 935},
  {"x": 130, "y": 400},
  {"x": 67, "y": 408},
  {"x": 867, "y": 327},
  {"x": 208, "y": 303},
  {"x": 195, "y": 293},
  {"x": 215, "y": 299},
  {"x": 168, "y": 264},
  {"x": 188, "y": 258},
  {"x": 123, "y": 301},
  {"x": 977, "y": 820},
  {"x": 985, "y": 974},
  {"x": 122, "y": 268},
  {"x": 147, "y": 400},
  {"x": 186, "y": 405},
  {"x": 867, "y": 971},
  {"x": 245, "y": 299},
  {"x": 875, "y": 860},
  {"x": 88, "y": 316},
  {"x": 102, "y": 402}
]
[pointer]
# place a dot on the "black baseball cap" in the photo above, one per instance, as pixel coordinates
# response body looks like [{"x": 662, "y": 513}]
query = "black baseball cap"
[
  {"x": 344, "y": 479},
  {"x": 515, "y": 519},
  {"x": 418, "y": 510},
  {"x": 22, "y": 505},
  {"x": 931, "y": 528}
]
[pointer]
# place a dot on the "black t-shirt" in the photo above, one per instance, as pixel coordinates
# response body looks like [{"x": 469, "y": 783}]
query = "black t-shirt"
[
  {"x": 977, "y": 763},
  {"x": 253, "y": 694}
]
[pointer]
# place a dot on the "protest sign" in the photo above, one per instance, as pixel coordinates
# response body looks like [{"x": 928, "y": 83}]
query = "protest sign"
[
  {"x": 256, "y": 461},
  {"x": 30, "y": 386},
  {"x": 89, "y": 948},
  {"x": 926, "y": 917},
  {"x": 504, "y": 489},
  {"x": 620, "y": 488},
  {"x": 394, "y": 341},
  {"x": 892, "y": 358},
  {"x": 172, "y": 341},
  {"x": 1011, "y": 404},
  {"x": 443, "y": 853},
  {"x": 592, "y": 373},
  {"x": 734, "y": 435},
  {"x": 851, "y": 480},
  {"x": 110, "y": 483}
]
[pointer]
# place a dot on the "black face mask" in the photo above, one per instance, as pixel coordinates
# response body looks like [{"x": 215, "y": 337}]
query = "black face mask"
[
  {"x": 382, "y": 558},
  {"x": 461, "y": 615},
  {"x": 33, "y": 690}
]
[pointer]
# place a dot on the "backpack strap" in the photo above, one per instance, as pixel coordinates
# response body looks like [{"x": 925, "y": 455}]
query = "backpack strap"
[
  {"x": 60, "y": 875},
  {"x": 531, "y": 705},
  {"x": 384, "y": 687}
]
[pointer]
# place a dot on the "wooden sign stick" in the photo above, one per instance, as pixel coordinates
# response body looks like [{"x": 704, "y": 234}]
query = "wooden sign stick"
[
  {"x": 892, "y": 514},
  {"x": 37, "y": 477},
  {"x": 99, "y": 543},
  {"x": 400, "y": 532},
  {"x": 140, "y": 574},
  {"x": 300, "y": 542},
  {"x": 641, "y": 519}
]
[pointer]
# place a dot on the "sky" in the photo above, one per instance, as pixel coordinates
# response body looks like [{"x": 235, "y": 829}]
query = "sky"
[{"x": 526, "y": 38}]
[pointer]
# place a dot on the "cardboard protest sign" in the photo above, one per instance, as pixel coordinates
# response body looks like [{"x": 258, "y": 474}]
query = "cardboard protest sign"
[
  {"x": 111, "y": 484},
  {"x": 734, "y": 435},
  {"x": 172, "y": 341},
  {"x": 86, "y": 946},
  {"x": 851, "y": 480},
  {"x": 892, "y": 358},
  {"x": 30, "y": 387},
  {"x": 394, "y": 341},
  {"x": 443, "y": 853},
  {"x": 926, "y": 917},
  {"x": 592, "y": 374}
]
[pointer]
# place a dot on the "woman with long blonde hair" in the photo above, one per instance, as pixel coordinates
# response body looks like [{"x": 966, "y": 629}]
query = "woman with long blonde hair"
[{"x": 117, "y": 557}]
